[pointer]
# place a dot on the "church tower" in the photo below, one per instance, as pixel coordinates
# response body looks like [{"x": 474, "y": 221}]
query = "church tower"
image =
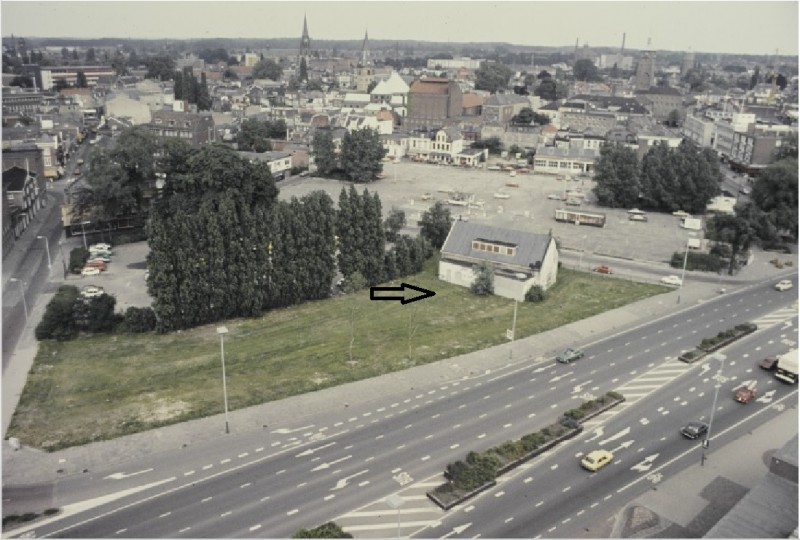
[
  {"x": 365, "y": 72},
  {"x": 304, "y": 55}
]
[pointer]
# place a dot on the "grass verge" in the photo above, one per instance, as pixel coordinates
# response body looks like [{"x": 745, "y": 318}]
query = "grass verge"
[{"x": 101, "y": 387}]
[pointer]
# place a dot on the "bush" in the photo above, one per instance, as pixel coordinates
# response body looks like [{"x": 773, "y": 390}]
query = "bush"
[
  {"x": 706, "y": 262},
  {"x": 577, "y": 414},
  {"x": 328, "y": 530},
  {"x": 138, "y": 320},
  {"x": 96, "y": 314},
  {"x": 614, "y": 395},
  {"x": 58, "y": 321},
  {"x": 535, "y": 294}
]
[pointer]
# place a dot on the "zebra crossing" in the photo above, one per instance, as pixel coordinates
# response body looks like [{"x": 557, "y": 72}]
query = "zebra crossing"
[
  {"x": 380, "y": 519},
  {"x": 776, "y": 317}
]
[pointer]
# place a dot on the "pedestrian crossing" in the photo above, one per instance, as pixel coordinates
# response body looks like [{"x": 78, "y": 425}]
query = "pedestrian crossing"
[
  {"x": 380, "y": 520},
  {"x": 776, "y": 317}
]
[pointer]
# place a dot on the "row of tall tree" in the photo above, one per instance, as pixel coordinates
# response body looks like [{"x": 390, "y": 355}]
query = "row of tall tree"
[
  {"x": 254, "y": 135},
  {"x": 667, "y": 179},
  {"x": 187, "y": 87}
]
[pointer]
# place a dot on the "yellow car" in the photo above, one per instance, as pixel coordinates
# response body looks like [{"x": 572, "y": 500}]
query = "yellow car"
[{"x": 596, "y": 459}]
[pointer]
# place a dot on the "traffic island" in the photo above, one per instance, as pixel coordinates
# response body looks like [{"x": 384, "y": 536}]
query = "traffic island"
[
  {"x": 479, "y": 471},
  {"x": 722, "y": 339}
]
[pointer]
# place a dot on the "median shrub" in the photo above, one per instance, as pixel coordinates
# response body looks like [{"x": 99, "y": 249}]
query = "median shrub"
[{"x": 706, "y": 262}]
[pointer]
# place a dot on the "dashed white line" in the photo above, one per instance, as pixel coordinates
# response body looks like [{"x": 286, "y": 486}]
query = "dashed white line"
[
  {"x": 244, "y": 454},
  {"x": 229, "y": 512},
  {"x": 206, "y": 467},
  {"x": 188, "y": 473},
  {"x": 328, "y": 497},
  {"x": 165, "y": 514},
  {"x": 292, "y": 512},
  {"x": 120, "y": 531},
  {"x": 538, "y": 504},
  {"x": 184, "y": 530},
  {"x": 206, "y": 499},
  {"x": 245, "y": 485},
  {"x": 499, "y": 493},
  {"x": 224, "y": 461},
  {"x": 255, "y": 528}
]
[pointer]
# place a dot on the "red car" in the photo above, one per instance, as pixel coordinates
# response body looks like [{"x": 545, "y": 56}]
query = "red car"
[
  {"x": 745, "y": 394},
  {"x": 603, "y": 269},
  {"x": 769, "y": 363}
]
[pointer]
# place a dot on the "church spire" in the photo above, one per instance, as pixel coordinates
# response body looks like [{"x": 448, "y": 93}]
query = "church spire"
[
  {"x": 365, "y": 50},
  {"x": 305, "y": 43}
]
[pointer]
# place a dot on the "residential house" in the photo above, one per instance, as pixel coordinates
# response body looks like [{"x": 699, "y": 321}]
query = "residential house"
[
  {"x": 26, "y": 155},
  {"x": 24, "y": 198},
  {"x": 471, "y": 104},
  {"x": 519, "y": 259},
  {"x": 699, "y": 129},
  {"x": 431, "y": 101},
  {"x": 661, "y": 100},
  {"x": 194, "y": 128},
  {"x": 501, "y": 108}
]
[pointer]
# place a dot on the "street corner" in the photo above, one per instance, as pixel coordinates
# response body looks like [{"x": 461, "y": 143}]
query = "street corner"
[{"x": 637, "y": 521}]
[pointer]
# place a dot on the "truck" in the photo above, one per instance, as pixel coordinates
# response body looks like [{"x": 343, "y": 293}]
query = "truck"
[
  {"x": 580, "y": 218},
  {"x": 787, "y": 367}
]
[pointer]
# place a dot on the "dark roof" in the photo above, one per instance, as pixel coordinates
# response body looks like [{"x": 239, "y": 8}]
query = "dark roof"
[
  {"x": 505, "y": 99},
  {"x": 14, "y": 178},
  {"x": 531, "y": 247},
  {"x": 664, "y": 90}
]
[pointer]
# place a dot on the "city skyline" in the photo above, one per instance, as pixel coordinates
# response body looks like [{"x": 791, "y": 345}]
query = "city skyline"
[{"x": 675, "y": 26}]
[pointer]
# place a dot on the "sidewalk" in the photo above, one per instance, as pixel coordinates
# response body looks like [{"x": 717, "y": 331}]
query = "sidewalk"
[{"x": 27, "y": 466}]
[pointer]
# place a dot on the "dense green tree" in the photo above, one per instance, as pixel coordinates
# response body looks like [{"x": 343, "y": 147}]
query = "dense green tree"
[
  {"x": 96, "y": 315},
  {"x": 212, "y": 56},
  {"x": 64, "y": 53},
  {"x": 253, "y": 136},
  {"x": 209, "y": 248},
  {"x": 436, "y": 224},
  {"x": 617, "y": 177},
  {"x": 525, "y": 117},
  {"x": 550, "y": 90},
  {"x": 492, "y": 77},
  {"x": 362, "y": 155},
  {"x": 315, "y": 85},
  {"x": 267, "y": 69},
  {"x": 395, "y": 221},
  {"x": 585, "y": 70},
  {"x": 90, "y": 55},
  {"x": 203, "y": 98},
  {"x": 361, "y": 236},
  {"x": 24, "y": 81},
  {"x": 179, "y": 89},
  {"x": 541, "y": 119},
  {"x": 75, "y": 54},
  {"x": 775, "y": 193},
  {"x": 736, "y": 232},
  {"x": 117, "y": 179},
  {"x": 138, "y": 320},
  {"x": 81, "y": 81},
  {"x": 119, "y": 63},
  {"x": 493, "y": 144},
  {"x": 696, "y": 79},
  {"x": 544, "y": 75},
  {"x": 277, "y": 129},
  {"x": 674, "y": 118},
  {"x": 324, "y": 152},
  {"x": 161, "y": 67},
  {"x": 483, "y": 284}
]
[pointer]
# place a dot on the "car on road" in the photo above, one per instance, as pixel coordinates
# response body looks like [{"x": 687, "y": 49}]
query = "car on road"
[
  {"x": 602, "y": 269},
  {"x": 569, "y": 355},
  {"x": 693, "y": 430},
  {"x": 744, "y": 394},
  {"x": 671, "y": 280},
  {"x": 596, "y": 460},
  {"x": 89, "y": 271},
  {"x": 92, "y": 291},
  {"x": 783, "y": 285},
  {"x": 769, "y": 363},
  {"x": 555, "y": 197}
]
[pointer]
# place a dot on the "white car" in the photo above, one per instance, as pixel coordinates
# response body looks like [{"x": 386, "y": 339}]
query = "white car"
[
  {"x": 89, "y": 271},
  {"x": 91, "y": 291},
  {"x": 554, "y": 197},
  {"x": 100, "y": 247},
  {"x": 671, "y": 280},
  {"x": 783, "y": 285},
  {"x": 681, "y": 213}
]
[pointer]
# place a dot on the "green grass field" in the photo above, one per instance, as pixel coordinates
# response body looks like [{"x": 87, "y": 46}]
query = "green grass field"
[{"x": 101, "y": 387}]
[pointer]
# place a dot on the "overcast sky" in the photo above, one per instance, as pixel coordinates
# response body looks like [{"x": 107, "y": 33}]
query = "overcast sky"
[{"x": 755, "y": 27}]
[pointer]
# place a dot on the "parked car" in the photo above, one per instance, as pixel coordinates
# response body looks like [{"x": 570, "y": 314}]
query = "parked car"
[
  {"x": 596, "y": 460},
  {"x": 693, "y": 430},
  {"x": 744, "y": 394},
  {"x": 637, "y": 217},
  {"x": 80, "y": 162},
  {"x": 783, "y": 285},
  {"x": 602, "y": 269},
  {"x": 554, "y": 197},
  {"x": 91, "y": 291},
  {"x": 100, "y": 265},
  {"x": 100, "y": 256},
  {"x": 744, "y": 190},
  {"x": 89, "y": 271},
  {"x": 681, "y": 213},
  {"x": 769, "y": 363},
  {"x": 569, "y": 355},
  {"x": 77, "y": 171},
  {"x": 106, "y": 247},
  {"x": 671, "y": 280}
]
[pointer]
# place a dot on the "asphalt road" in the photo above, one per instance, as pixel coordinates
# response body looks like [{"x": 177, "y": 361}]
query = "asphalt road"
[
  {"x": 343, "y": 461},
  {"x": 555, "y": 497}
]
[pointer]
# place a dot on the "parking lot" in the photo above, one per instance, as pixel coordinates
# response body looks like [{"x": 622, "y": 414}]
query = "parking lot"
[
  {"x": 526, "y": 209},
  {"x": 404, "y": 186}
]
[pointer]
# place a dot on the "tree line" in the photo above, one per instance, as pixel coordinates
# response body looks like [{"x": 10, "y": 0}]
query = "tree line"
[{"x": 359, "y": 159}]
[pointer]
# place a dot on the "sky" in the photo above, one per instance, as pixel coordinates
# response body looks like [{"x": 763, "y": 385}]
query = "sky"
[{"x": 747, "y": 27}]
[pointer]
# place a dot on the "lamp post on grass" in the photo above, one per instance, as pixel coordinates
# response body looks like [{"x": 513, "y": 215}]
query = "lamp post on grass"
[{"x": 221, "y": 330}]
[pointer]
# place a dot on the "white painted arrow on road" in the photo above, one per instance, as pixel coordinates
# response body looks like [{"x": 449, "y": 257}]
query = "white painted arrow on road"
[
  {"x": 645, "y": 464},
  {"x": 458, "y": 530},
  {"x": 616, "y": 436},
  {"x": 285, "y": 431},
  {"x": 598, "y": 432},
  {"x": 312, "y": 450},
  {"x": 120, "y": 476},
  {"x": 579, "y": 387},
  {"x": 343, "y": 482},
  {"x": 622, "y": 446},
  {"x": 334, "y": 462},
  {"x": 767, "y": 397},
  {"x": 704, "y": 368}
]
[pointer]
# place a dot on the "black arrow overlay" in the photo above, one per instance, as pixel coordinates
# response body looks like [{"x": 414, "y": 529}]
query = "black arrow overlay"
[{"x": 425, "y": 293}]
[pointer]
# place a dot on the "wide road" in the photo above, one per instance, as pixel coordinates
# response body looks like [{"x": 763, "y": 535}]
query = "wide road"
[
  {"x": 555, "y": 497},
  {"x": 273, "y": 483}
]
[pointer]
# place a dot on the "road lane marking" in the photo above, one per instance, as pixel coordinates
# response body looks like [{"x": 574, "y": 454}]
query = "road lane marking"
[
  {"x": 224, "y": 514},
  {"x": 255, "y": 528},
  {"x": 165, "y": 514},
  {"x": 292, "y": 512},
  {"x": 206, "y": 499}
]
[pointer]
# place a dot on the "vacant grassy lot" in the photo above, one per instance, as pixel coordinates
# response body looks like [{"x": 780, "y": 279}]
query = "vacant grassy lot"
[{"x": 101, "y": 387}]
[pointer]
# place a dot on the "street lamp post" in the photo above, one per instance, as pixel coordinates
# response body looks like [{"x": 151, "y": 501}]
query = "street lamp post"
[
  {"x": 685, "y": 259},
  {"x": 394, "y": 502},
  {"x": 63, "y": 260},
  {"x": 83, "y": 232},
  {"x": 719, "y": 379},
  {"x": 24, "y": 302},
  {"x": 47, "y": 248},
  {"x": 221, "y": 330}
]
